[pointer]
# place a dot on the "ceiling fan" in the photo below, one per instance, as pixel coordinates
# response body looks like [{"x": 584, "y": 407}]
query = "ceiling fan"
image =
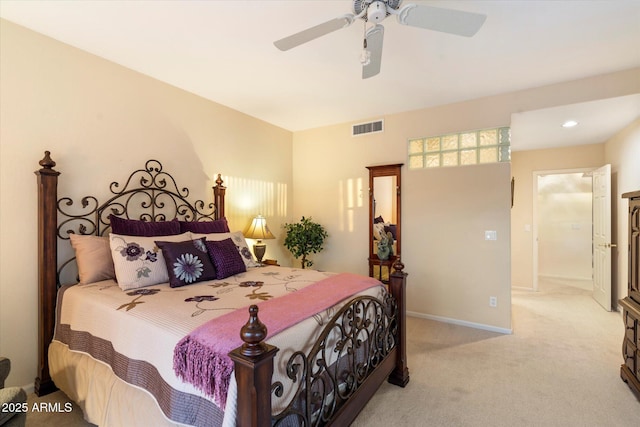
[{"x": 375, "y": 11}]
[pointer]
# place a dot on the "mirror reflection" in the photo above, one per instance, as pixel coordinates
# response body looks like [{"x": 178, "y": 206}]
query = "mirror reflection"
[
  {"x": 384, "y": 219},
  {"x": 385, "y": 216}
]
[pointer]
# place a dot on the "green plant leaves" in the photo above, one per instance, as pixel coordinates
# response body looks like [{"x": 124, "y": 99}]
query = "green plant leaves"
[{"x": 303, "y": 238}]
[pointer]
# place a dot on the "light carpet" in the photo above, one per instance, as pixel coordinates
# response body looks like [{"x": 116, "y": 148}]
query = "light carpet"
[{"x": 560, "y": 367}]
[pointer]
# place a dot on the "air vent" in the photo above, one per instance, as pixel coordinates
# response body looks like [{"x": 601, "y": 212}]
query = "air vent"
[{"x": 364, "y": 128}]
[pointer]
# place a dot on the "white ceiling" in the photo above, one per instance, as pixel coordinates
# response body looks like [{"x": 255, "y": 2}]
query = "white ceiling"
[
  {"x": 597, "y": 122},
  {"x": 223, "y": 51}
]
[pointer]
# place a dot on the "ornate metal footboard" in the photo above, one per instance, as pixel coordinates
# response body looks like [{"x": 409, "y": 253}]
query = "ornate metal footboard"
[
  {"x": 362, "y": 344},
  {"x": 355, "y": 342}
]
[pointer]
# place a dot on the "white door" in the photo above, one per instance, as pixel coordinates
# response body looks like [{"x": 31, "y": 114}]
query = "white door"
[{"x": 602, "y": 236}]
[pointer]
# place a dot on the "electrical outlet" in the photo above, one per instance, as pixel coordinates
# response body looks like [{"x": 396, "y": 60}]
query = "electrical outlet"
[
  {"x": 493, "y": 301},
  {"x": 490, "y": 235}
]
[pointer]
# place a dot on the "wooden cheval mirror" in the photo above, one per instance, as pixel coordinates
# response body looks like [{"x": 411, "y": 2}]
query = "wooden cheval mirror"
[{"x": 384, "y": 218}]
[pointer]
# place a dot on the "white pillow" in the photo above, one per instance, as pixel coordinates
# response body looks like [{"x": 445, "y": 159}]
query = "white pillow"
[
  {"x": 238, "y": 239},
  {"x": 138, "y": 261},
  {"x": 378, "y": 230}
]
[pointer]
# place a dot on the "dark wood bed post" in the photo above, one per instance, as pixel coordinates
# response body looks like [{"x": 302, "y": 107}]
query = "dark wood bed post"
[
  {"x": 219, "y": 191},
  {"x": 254, "y": 370},
  {"x": 397, "y": 288},
  {"x": 47, "y": 268}
]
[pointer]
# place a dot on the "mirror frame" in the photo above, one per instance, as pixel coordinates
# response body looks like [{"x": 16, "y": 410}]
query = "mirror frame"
[{"x": 375, "y": 172}]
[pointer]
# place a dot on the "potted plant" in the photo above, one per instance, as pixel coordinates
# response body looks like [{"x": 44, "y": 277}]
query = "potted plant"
[{"x": 303, "y": 238}]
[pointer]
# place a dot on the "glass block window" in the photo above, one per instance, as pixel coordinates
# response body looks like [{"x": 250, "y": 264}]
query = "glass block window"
[{"x": 465, "y": 148}]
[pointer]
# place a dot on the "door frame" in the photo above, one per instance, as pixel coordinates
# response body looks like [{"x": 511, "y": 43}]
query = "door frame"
[{"x": 534, "y": 221}]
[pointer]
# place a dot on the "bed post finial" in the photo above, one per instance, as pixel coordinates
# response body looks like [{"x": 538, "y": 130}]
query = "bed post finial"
[
  {"x": 253, "y": 365},
  {"x": 398, "y": 266},
  {"x": 47, "y": 162},
  {"x": 218, "y": 197},
  {"x": 47, "y": 268},
  {"x": 253, "y": 333}
]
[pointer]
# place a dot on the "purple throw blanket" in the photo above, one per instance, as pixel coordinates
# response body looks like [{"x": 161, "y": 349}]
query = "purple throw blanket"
[{"x": 201, "y": 358}]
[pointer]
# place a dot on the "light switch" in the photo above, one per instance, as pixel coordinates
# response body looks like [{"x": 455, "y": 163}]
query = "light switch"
[{"x": 490, "y": 235}]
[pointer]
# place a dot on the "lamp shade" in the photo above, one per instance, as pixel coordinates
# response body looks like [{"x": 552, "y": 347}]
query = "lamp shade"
[{"x": 258, "y": 229}]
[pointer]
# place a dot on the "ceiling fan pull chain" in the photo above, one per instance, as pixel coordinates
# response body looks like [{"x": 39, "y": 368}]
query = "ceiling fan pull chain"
[{"x": 365, "y": 55}]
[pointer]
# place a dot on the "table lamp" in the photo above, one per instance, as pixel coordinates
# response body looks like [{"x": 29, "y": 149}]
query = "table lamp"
[{"x": 258, "y": 230}]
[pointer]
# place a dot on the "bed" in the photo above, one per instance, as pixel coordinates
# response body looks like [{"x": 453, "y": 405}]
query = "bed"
[{"x": 133, "y": 346}]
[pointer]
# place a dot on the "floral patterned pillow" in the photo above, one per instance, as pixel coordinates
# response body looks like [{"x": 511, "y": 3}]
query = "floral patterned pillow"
[
  {"x": 187, "y": 262},
  {"x": 238, "y": 240},
  {"x": 138, "y": 261}
]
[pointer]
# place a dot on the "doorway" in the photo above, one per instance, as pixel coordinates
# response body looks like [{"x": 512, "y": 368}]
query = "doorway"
[{"x": 563, "y": 227}]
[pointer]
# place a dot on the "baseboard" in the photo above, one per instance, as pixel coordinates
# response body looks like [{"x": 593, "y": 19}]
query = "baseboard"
[
  {"x": 461, "y": 323},
  {"x": 560, "y": 277},
  {"x": 522, "y": 288}
]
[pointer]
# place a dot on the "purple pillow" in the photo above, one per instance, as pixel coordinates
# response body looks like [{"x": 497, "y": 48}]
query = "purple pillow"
[
  {"x": 135, "y": 227},
  {"x": 225, "y": 257},
  {"x": 205, "y": 227},
  {"x": 187, "y": 262},
  {"x": 391, "y": 228}
]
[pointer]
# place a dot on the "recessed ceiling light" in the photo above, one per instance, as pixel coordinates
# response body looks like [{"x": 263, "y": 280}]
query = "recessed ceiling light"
[{"x": 569, "y": 124}]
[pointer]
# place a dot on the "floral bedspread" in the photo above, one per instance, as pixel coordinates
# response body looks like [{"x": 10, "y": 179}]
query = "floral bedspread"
[{"x": 144, "y": 325}]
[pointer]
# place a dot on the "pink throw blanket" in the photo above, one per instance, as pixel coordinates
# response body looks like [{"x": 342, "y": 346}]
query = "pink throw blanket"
[{"x": 201, "y": 358}]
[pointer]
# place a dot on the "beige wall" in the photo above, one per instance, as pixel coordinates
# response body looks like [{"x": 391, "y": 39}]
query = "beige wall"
[
  {"x": 523, "y": 164},
  {"x": 444, "y": 215},
  {"x": 448, "y": 276},
  {"x": 100, "y": 121},
  {"x": 623, "y": 153}
]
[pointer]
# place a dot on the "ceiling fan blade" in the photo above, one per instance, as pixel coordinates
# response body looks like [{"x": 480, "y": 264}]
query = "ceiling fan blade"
[
  {"x": 314, "y": 32},
  {"x": 438, "y": 19},
  {"x": 375, "y": 37}
]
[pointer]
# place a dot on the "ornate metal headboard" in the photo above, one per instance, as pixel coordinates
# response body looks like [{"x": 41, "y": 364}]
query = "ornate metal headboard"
[{"x": 149, "y": 194}]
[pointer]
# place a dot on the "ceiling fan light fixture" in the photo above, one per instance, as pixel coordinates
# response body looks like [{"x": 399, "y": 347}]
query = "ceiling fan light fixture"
[
  {"x": 373, "y": 12},
  {"x": 569, "y": 124},
  {"x": 376, "y": 12}
]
